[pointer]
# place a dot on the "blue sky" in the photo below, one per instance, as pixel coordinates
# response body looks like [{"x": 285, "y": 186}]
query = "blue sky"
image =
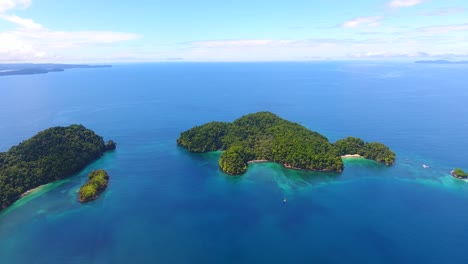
[{"x": 242, "y": 30}]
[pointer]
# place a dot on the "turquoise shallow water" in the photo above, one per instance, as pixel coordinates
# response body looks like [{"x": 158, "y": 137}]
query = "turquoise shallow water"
[{"x": 165, "y": 205}]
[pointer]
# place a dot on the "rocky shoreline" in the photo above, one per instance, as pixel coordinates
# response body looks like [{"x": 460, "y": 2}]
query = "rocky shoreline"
[{"x": 454, "y": 174}]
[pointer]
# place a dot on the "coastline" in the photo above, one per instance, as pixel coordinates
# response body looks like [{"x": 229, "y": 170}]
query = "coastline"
[
  {"x": 94, "y": 197},
  {"x": 352, "y": 156},
  {"x": 456, "y": 176},
  {"x": 28, "y": 192},
  {"x": 258, "y": 161},
  {"x": 31, "y": 194},
  {"x": 287, "y": 166}
]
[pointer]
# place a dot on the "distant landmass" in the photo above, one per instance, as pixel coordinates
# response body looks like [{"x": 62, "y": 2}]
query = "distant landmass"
[
  {"x": 31, "y": 68},
  {"x": 263, "y": 136},
  {"x": 441, "y": 62}
]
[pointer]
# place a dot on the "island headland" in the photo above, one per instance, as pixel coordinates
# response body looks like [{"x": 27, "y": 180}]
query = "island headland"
[
  {"x": 264, "y": 136},
  {"x": 33, "y": 68},
  {"x": 50, "y": 155},
  {"x": 97, "y": 183}
]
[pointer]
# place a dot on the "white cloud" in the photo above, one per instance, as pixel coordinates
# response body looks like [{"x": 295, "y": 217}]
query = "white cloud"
[
  {"x": 45, "y": 45},
  {"x": 405, "y": 3},
  {"x": 411, "y": 55},
  {"x": 387, "y": 55},
  {"x": 14, "y": 49},
  {"x": 444, "y": 29},
  {"x": 30, "y": 41},
  {"x": 10, "y": 4},
  {"x": 371, "y": 21},
  {"x": 254, "y": 50},
  {"x": 241, "y": 43},
  {"x": 66, "y": 39},
  {"x": 396, "y": 47},
  {"x": 444, "y": 11},
  {"x": 22, "y": 22}
]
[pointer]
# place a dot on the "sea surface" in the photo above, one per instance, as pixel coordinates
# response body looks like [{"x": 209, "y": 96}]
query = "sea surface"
[{"x": 166, "y": 205}]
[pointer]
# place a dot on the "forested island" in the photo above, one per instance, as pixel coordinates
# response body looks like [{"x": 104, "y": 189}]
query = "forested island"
[
  {"x": 50, "y": 155},
  {"x": 459, "y": 173},
  {"x": 264, "y": 136},
  {"x": 97, "y": 183}
]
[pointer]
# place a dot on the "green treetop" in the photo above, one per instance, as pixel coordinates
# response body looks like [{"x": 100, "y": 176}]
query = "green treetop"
[
  {"x": 97, "y": 182},
  {"x": 459, "y": 173}
]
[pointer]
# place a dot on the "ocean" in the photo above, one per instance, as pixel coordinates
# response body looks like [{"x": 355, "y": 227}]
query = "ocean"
[{"x": 166, "y": 205}]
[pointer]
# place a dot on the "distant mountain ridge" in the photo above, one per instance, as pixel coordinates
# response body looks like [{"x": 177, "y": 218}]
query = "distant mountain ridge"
[{"x": 32, "y": 68}]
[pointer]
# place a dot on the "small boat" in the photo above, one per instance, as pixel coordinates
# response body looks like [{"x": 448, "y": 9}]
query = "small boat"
[
  {"x": 284, "y": 200},
  {"x": 425, "y": 166}
]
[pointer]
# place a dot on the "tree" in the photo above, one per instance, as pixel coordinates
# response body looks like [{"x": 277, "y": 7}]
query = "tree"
[{"x": 97, "y": 182}]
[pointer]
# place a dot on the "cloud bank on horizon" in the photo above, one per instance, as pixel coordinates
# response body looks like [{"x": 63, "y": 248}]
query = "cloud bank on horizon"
[
  {"x": 86, "y": 31},
  {"x": 405, "y": 3}
]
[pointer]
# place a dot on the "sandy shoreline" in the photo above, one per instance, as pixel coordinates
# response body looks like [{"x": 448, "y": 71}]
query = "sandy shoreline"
[
  {"x": 351, "y": 156},
  {"x": 258, "y": 161},
  {"x": 31, "y": 191}
]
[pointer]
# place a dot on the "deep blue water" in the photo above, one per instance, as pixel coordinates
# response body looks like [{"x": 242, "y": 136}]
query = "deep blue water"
[{"x": 165, "y": 205}]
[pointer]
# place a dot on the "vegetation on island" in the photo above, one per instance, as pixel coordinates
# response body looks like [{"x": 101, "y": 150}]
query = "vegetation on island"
[
  {"x": 50, "y": 155},
  {"x": 373, "y": 151},
  {"x": 459, "y": 173},
  {"x": 265, "y": 136},
  {"x": 97, "y": 183}
]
